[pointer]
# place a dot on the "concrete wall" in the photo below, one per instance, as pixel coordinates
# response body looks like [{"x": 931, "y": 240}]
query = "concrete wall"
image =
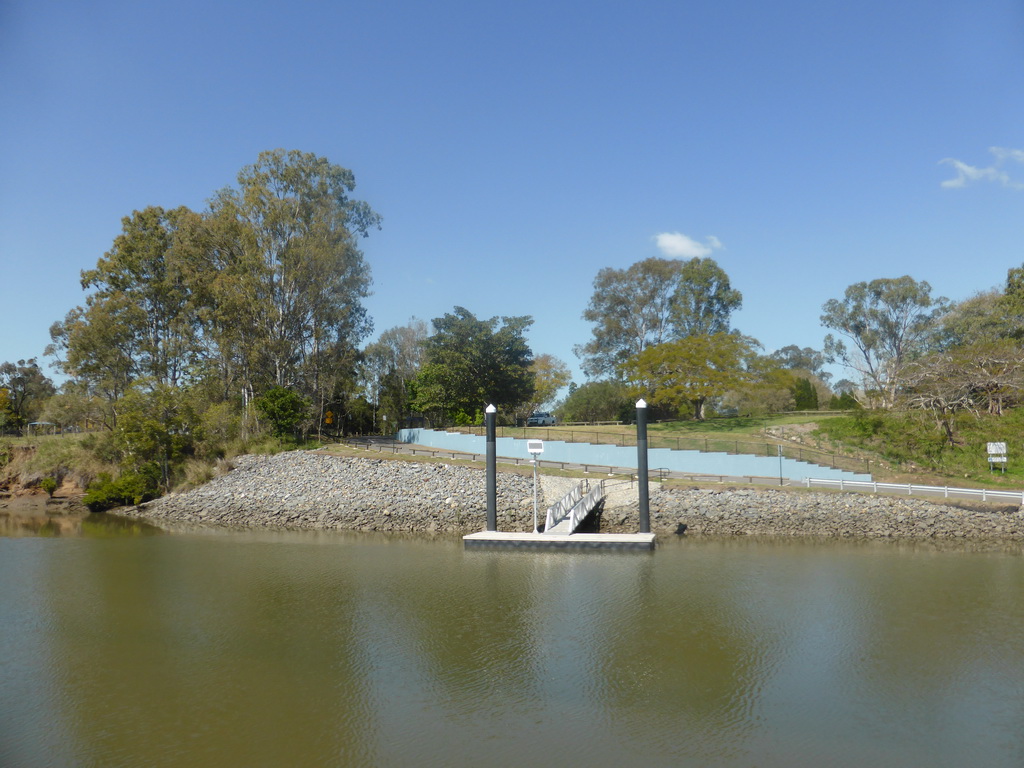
[{"x": 696, "y": 462}]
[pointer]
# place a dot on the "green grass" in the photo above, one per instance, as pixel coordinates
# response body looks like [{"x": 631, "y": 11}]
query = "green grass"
[
  {"x": 914, "y": 446},
  {"x": 30, "y": 459}
]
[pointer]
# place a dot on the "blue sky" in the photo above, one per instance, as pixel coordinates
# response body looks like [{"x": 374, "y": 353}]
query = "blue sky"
[{"x": 514, "y": 149}]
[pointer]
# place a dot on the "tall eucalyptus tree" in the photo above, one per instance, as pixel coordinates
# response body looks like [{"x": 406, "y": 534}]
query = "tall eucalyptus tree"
[
  {"x": 292, "y": 277},
  {"x": 889, "y": 322},
  {"x": 652, "y": 302}
]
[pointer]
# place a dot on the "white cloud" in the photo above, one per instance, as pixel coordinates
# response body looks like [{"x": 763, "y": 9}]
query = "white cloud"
[
  {"x": 968, "y": 174},
  {"x": 1002, "y": 153},
  {"x": 678, "y": 245}
]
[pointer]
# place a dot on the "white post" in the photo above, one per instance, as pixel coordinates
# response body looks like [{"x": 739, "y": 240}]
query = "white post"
[
  {"x": 535, "y": 448},
  {"x": 534, "y": 462}
]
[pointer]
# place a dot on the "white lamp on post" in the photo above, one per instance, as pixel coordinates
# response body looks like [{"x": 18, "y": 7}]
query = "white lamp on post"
[{"x": 536, "y": 448}]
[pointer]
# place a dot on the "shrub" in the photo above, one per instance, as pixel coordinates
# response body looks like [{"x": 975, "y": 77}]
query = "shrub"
[
  {"x": 284, "y": 409},
  {"x": 49, "y": 485},
  {"x": 130, "y": 488}
]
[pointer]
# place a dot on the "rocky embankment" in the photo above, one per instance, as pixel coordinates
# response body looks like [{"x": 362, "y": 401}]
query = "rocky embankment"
[
  {"x": 317, "y": 491},
  {"x": 745, "y": 512},
  {"x": 311, "y": 490}
]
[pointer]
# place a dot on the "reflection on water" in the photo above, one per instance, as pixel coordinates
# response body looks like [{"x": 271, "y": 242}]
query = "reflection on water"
[
  {"x": 16, "y": 524},
  {"x": 328, "y": 649}
]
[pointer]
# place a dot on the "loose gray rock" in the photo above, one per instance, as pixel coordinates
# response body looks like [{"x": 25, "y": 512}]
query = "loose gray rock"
[
  {"x": 301, "y": 489},
  {"x": 770, "y": 512},
  {"x": 317, "y": 491}
]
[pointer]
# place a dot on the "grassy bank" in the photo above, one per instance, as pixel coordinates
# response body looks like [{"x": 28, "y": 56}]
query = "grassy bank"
[
  {"x": 29, "y": 462},
  {"x": 70, "y": 464},
  {"x": 914, "y": 445}
]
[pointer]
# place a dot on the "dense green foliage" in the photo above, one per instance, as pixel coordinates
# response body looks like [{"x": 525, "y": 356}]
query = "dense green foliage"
[
  {"x": 687, "y": 372},
  {"x": 129, "y": 488},
  {"x": 652, "y": 302},
  {"x": 597, "y": 401},
  {"x": 284, "y": 409},
  {"x": 192, "y": 318},
  {"x": 470, "y": 363},
  {"x": 805, "y": 397}
]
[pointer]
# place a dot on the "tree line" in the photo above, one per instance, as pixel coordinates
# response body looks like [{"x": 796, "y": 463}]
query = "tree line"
[{"x": 204, "y": 331}]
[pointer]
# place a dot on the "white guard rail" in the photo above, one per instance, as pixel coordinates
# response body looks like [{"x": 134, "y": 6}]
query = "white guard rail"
[{"x": 946, "y": 492}]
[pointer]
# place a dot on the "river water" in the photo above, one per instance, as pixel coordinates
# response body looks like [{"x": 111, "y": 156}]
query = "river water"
[{"x": 124, "y": 647}]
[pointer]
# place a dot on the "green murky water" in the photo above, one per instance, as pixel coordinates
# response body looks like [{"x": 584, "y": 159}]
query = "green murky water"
[{"x": 124, "y": 649}]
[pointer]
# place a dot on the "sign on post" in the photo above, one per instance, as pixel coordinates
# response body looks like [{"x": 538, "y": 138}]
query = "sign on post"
[
  {"x": 536, "y": 448},
  {"x": 997, "y": 455}
]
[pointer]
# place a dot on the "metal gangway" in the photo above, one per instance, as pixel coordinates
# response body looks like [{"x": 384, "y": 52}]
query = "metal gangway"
[{"x": 566, "y": 516}]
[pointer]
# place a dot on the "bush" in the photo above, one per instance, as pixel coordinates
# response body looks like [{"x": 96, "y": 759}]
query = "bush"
[
  {"x": 49, "y": 485},
  {"x": 130, "y": 488},
  {"x": 598, "y": 401},
  {"x": 844, "y": 402},
  {"x": 284, "y": 409}
]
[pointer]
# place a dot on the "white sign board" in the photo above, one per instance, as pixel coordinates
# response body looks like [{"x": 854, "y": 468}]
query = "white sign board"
[
  {"x": 535, "y": 447},
  {"x": 997, "y": 455}
]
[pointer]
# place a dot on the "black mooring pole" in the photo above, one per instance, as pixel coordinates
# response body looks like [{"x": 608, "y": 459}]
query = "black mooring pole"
[
  {"x": 492, "y": 485},
  {"x": 641, "y": 466}
]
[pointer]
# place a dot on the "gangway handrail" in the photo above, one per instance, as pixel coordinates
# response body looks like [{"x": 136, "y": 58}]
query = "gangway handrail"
[
  {"x": 574, "y": 507},
  {"x": 559, "y": 511},
  {"x": 586, "y": 504}
]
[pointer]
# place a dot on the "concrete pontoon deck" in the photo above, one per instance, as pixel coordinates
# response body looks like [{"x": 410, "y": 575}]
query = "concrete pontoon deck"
[{"x": 583, "y": 541}]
